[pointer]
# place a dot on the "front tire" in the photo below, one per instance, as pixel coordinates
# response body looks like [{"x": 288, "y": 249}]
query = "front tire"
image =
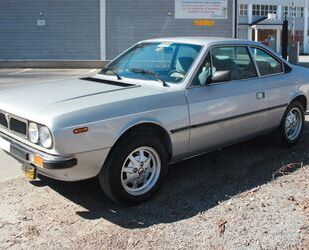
[
  {"x": 292, "y": 124},
  {"x": 135, "y": 169}
]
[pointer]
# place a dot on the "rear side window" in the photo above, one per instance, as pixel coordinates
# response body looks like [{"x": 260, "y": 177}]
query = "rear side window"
[
  {"x": 267, "y": 64},
  {"x": 234, "y": 59}
]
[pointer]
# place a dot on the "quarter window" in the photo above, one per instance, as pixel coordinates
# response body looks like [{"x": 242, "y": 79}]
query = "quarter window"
[{"x": 267, "y": 64}]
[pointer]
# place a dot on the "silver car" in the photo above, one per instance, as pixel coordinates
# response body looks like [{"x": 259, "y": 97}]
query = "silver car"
[{"x": 161, "y": 101}]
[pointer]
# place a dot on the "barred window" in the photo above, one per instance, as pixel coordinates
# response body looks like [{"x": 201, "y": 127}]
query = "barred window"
[
  {"x": 300, "y": 11},
  {"x": 256, "y": 10},
  {"x": 243, "y": 9},
  {"x": 263, "y": 10},
  {"x": 272, "y": 9},
  {"x": 285, "y": 11},
  {"x": 292, "y": 12}
]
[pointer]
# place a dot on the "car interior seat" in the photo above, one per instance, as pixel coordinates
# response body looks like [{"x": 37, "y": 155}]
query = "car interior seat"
[{"x": 226, "y": 65}]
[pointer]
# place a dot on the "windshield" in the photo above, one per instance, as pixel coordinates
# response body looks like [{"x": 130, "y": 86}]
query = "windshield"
[{"x": 167, "y": 62}]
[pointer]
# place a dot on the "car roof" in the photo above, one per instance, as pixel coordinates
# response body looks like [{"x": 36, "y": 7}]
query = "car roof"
[
  {"x": 200, "y": 40},
  {"x": 210, "y": 41}
]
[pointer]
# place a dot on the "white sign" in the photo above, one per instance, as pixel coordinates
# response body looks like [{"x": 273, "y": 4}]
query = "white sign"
[{"x": 201, "y": 9}]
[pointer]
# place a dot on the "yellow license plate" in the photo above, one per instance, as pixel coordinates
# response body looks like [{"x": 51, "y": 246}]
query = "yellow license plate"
[{"x": 29, "y": 171}]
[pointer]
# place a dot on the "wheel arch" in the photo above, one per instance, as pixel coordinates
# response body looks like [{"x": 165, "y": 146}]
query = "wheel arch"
[
  {"x": 153, "y": 127},
  {"x": 300, "y": 98}
]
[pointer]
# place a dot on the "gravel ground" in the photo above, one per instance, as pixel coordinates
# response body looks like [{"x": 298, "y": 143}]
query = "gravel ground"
[{"x": 251, "y": 195}]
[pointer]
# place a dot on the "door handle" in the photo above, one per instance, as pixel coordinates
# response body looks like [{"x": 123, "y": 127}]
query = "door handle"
[{"x": 260, "y": 95}]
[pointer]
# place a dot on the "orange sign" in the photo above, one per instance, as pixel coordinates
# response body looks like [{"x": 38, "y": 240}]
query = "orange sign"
[{"x": 204, "y": 22}]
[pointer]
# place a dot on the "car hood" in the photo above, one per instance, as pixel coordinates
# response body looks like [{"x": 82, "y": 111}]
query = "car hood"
[{"x": 40, "y": 103}]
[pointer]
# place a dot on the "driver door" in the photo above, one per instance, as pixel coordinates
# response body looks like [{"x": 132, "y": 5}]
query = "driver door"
[{"x": 226, "y": 99}]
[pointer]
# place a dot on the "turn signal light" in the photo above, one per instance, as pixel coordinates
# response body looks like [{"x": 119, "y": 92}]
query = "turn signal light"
[
  {"x": 80, "y": 130},
  {"x": 37, "y": 160}
]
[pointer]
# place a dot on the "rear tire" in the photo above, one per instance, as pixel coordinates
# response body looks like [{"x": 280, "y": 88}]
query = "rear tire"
[
  {"x": 135, "y": 168},
  {"x": 292, "y": 124}
]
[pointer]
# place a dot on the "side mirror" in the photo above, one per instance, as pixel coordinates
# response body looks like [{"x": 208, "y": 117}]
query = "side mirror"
[{"x": 221, "y": 76}]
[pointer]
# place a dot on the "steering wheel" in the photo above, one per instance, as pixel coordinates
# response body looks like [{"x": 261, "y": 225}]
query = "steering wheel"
[{"x": 177, "y": 74}]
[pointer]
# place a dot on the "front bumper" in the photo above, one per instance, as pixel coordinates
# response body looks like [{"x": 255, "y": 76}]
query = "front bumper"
[
  {"x": 67, "y": 168},
  {"x": 25, "y": 154}
]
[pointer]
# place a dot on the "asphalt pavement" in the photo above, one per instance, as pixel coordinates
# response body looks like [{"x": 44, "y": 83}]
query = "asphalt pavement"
[{"x": 13, "y": 78}]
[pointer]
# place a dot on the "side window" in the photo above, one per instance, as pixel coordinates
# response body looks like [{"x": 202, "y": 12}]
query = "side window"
[
  {"x": 267, "y": 64},
  {"x": 234, "y": 60},
  {"x": 225, "y": 64}
]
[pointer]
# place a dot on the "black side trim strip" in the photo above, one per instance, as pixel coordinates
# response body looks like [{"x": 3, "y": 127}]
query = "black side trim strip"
[
  {"x": 225, "y": 119},
  {"x": 61, "y": 164},
  {"x": 121, "y": 84},
  {"x": 180, "y": 129}
]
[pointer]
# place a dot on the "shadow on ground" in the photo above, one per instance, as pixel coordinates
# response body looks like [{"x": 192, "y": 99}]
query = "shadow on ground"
[{"x": 192, "y": 186}]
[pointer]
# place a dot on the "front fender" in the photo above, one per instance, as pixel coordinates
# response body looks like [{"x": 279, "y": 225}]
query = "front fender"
[{"x": 139, "y": 121}]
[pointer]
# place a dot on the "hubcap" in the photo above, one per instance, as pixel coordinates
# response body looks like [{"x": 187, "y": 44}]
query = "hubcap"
[
  {"x": 140, "y": 170},
  {"x": 293, "y": 123}
]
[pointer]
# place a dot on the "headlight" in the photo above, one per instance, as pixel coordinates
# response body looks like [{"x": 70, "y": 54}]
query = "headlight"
[
  {"x": 46, "y": 139},
  {"x": 33, "y": 132}
]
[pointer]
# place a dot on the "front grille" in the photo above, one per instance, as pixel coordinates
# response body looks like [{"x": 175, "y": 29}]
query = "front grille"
[
  {"x": 3, "y": 121},
  {"x": 13, "y": 124},
  {"x": 18, "y": 126}
]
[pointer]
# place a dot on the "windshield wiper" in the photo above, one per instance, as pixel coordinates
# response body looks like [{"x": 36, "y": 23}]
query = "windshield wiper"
[
  {"x": 149, "y": 72},
  {"x": 104, "y": 70}
]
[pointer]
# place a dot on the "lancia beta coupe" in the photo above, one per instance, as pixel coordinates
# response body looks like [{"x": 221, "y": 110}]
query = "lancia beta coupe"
[{"x": 161, "y": 101}]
